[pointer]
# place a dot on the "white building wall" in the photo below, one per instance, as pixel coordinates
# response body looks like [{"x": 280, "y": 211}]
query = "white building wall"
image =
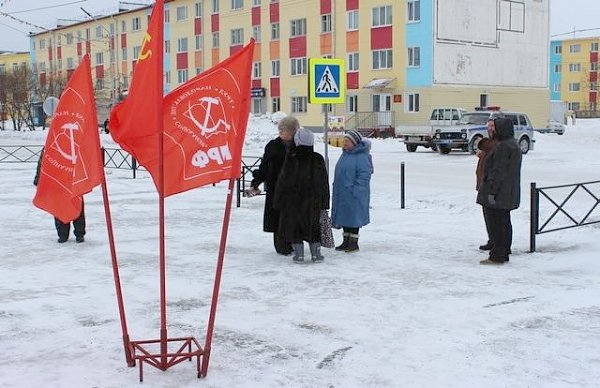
[{"x": 491, "y": 42}]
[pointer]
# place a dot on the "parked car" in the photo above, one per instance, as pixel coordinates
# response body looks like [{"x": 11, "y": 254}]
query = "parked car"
[
  {"x": 423, "y": 135},
  {"x": 553, "y": 127}
]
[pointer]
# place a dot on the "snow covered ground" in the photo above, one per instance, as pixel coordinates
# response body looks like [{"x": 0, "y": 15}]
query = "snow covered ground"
[{"x": 412, "y": 309}]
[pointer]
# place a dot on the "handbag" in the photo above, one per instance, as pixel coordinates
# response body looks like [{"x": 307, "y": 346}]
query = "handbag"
[{"x": 326, "y": 232}]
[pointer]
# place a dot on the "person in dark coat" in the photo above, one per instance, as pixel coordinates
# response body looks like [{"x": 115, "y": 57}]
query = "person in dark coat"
[
  {"x": 302, "y": 193},
  {"x": 351, "y": 190},
  {"x": 484, "y": 147},
  {"x": 63, "y": 229},
  {"x": 500, "y": 190},
  {"x": 268, "y": 172}
]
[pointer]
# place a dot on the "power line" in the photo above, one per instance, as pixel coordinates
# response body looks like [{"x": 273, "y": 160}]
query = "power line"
[
  {"x": 48, "y": 7},
  {"x": 576, "y": 31}
]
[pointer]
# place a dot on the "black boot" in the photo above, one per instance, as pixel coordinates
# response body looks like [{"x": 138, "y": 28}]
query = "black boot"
[
  {"x": 344, "y": 244},
  {"x": 352, "y": 243}
]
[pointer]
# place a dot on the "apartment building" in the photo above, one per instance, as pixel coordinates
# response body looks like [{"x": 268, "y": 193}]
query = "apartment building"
[
  {"x": 11, "y": 61},
  {"x": 403, "y": 57},
  {"x": 574, "y": 72}
]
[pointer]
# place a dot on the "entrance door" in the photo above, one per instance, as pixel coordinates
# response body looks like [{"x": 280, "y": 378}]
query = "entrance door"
[{"x": 382, "y": 103}]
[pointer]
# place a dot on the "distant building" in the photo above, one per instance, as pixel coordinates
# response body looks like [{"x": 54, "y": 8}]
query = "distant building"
[
  {"x": 403, "y": 57},
  {"x": 574, "y": 73},
  {"x": 11, "y": 61}
]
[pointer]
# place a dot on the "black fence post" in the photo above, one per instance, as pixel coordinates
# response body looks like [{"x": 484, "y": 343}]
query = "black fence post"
[
  {"x": 237, "y": 190},
  {"x": 133, "y": 166},
  {"x": 402, "y": 185},
  {"x": 103, "y": 156},
  {"x": 534, "y": 215}
]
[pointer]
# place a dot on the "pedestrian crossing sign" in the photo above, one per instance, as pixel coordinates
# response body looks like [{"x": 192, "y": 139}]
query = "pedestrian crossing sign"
[{"x": 326, "y": 81}]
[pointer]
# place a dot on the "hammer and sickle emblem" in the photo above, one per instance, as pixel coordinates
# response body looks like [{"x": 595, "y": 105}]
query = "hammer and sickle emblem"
[{"x": 145, "y": 52}]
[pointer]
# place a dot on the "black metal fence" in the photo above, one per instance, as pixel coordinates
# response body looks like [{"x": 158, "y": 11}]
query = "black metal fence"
[
  {"x": 20, "y": 153},
  {"x": 249, "y": 163},
  {"x": 551, "y": 196}
]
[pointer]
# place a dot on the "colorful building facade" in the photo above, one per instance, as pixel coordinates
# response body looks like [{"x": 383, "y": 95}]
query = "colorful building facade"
[
  {"x": 403, "y": 58},
  {"x": 574, "y": 72}
]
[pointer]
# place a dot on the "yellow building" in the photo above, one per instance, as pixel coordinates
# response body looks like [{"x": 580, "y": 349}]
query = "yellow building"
[
  {"x": 402, "y": 57},
  {"x": 574, "y": 73},
  {"x": 11, "y": 61}
]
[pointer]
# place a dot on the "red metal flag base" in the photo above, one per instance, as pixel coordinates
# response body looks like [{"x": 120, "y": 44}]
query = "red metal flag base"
[{"x": 163, "y": 360}]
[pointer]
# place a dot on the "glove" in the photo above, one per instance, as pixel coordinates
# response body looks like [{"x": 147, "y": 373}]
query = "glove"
[
  {"x": 491, "y": 199},
  {"x": 251, "y": 192}
]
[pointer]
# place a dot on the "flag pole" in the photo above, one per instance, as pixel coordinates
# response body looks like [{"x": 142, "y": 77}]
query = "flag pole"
[
  {"x": 161, "y": 205},
  {"x": 115, "y": 267},
  {"x": 217, "y": 284}
]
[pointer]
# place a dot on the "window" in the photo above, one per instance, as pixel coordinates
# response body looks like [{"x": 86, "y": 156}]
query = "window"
[
  {"x": 215, "y": 39},
  {"x": 593, "y": 86},
  {"x": 299, "y": 104},
  {"x": 574, "y": 67},
  {"x": 256, "y": 70},
  {"x": 594, "y": 47},
  {"x": 412, "y": 102},
  {"x": 256, "y": 31},
  {"x": 199, "y": 70},
  {"x": 382, "y": 16},
  {"x": 274, "y": 31},
  {"x": 167, "y": 77},
  {"x": 182, "y": 76},
  {"x": 87, "y": 34},
  {"x": 382, "y": 59},
  {"x": 99, "y": 59},
  {"x": 58, "y": 40},
  {"x": 574, "y": 87},
  {"x": 199, "y": 42},
  {"x": 215, "y": 6},
  {"x": 124, "y": 54},
  {"x": 182, "y": 45},
  {"x": 414, "y": 10},
  {"x": 99, "y": 84},
  {"x": 275, "y": 104},
  {"x": 257, "y": 104},
  {"x": 414, "y": 56},
  {"x": 298, "y": 66},
  {"x": 558, "y": 50},
  {"x": 136, "y": 52},
  {"x": 98, "y": 32},
  {"x": 557, "y": 68},
  {"x": 574, "y": 106},
  {"x": 255, "y": 3},
  {"x": 237, "y": 36},
  {"x": 59, "y": 65},
  {"x": 352, "y": 103},
  {"x": 123, "y": 26},
  {"x": 167, "y": 16},
  {"x": 352, "y": 20},
  {"x": 298, "y": 27},
  {"x": 167, "y": 45},
  {"x": 198, "y": 9},
  {"x": 182, "y": 13},
  {"x": 574, "y": 48},
  {"x": 556, "y": 88},
  {"x": 136, "y": 24},
  {"x": 275, "y": 68},
  {"x": 42, "y": 44},
  {"x": 237, "y": 4},
  {"x": 42, "y": 67},
  {"x": 594, "y": 66},
  {"x": 70, "y": 38},
  {"x": 352, "y": 62},
  {"x": 326, "y": 23}
]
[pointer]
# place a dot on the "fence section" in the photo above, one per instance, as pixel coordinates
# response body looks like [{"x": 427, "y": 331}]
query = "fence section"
[
  {"x": 549, "y": 194},
  {"x": 249, "y": 163},
  {"x": 20, "y": 153}
]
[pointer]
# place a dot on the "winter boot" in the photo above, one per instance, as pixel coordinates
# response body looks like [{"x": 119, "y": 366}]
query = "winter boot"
[
  {"x": 298, "y": 252},
  {"x": 315, "y": 252},
  {"x": 352, "y": 243},
  {"x": 344, "y": 244}
]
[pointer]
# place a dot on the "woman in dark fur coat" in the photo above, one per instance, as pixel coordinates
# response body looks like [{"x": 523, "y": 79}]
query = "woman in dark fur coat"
[{"x": 302, "y": 193}]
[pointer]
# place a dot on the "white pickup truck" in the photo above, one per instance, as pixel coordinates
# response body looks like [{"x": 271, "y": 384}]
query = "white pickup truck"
[
  {"x": 423, "y": 135},
  {"x": 472, "y": 127}
]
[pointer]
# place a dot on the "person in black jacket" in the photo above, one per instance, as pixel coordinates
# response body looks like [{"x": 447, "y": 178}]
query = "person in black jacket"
[
  {"x": 500, "y": 190},
  {"x": 268, "y": 172},
  {"x": 302, "y": 193},
  {"x": 63, "y": 229}
]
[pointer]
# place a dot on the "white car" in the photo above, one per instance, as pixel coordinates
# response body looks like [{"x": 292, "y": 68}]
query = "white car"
[{"x": 553, "y": 127}]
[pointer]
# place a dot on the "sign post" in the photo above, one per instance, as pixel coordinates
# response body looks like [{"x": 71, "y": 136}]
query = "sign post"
[{"x": 326, "y": 85}]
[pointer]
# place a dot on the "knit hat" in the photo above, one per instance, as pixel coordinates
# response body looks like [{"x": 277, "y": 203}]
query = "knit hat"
[
  {"x": 354, "y": 137},
  {"x": 304, "y": 137}
]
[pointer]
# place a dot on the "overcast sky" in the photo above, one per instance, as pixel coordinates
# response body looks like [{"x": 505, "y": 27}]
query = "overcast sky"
[{"x": 565, "y": 16}]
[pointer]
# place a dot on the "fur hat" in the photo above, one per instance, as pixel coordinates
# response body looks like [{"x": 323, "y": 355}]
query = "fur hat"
[
  {"x": 354, "y": 137},
  {"x": 304, "y": 137}
]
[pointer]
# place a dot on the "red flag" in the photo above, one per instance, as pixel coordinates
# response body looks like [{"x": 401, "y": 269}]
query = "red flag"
[
  {"x": 135, "y": 122},
  {"x": 72, "y": 161},
  {"x": 205, "y": 126}
]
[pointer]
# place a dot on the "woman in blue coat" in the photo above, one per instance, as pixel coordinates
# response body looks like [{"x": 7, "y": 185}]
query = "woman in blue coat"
[{"x": 351, "y": 190}]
